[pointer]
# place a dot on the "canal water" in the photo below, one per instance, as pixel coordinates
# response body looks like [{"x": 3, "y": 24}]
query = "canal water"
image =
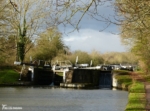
[{"x": 61, "y": 99}]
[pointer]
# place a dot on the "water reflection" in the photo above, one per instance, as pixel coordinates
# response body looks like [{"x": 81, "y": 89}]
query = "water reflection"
[{"x": 61, "y": 99}]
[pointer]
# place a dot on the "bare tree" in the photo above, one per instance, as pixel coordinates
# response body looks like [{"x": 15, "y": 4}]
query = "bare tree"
[
  {"x": 27, "y": 19},
  {"x": 134, "y": 20},
  {"x": 72, "y": 11}
]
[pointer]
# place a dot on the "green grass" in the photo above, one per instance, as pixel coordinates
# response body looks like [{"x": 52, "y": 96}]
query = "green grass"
[
  {"x": 136, "y": 102},
  {"x": 8, "y": 76},
  {"x": 123, "y": 78},
  {"x": 135, "y": 107},
  {"x": 136, "y": 98},
  {"x": 137, "y": 87}
]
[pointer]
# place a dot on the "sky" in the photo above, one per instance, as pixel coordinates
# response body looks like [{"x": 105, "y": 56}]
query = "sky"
[{"x": 90, "y": 37}]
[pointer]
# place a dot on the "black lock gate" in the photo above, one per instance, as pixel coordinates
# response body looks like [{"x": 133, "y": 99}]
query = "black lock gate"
[{"x": 105, "y": 79}]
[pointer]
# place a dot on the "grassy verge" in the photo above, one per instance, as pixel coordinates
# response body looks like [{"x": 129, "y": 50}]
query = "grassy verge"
[
  {"x": 136, "y": 102},
  {"x": 8, "y": 76},
  {"x": 137, "y": 87},
  {"x": 136, "y": 98}
]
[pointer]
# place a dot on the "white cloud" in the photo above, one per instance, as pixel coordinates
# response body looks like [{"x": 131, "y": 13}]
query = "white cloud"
[
  {"x": 75, "y": 38},
  {"x": 89, "y": 39}
]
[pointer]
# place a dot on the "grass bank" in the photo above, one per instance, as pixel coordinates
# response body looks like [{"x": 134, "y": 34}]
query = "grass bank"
[
  {"x": 8, "y": 76},
  {"x": 124, "y": 79},
  {"x": 136, "y": 98}
]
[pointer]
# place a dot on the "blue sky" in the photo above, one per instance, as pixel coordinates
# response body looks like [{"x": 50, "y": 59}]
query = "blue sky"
[{"x": 90, "y": 37}]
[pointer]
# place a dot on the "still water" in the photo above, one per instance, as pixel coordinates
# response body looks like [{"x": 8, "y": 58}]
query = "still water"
[{"x": 61, "y": 99}]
